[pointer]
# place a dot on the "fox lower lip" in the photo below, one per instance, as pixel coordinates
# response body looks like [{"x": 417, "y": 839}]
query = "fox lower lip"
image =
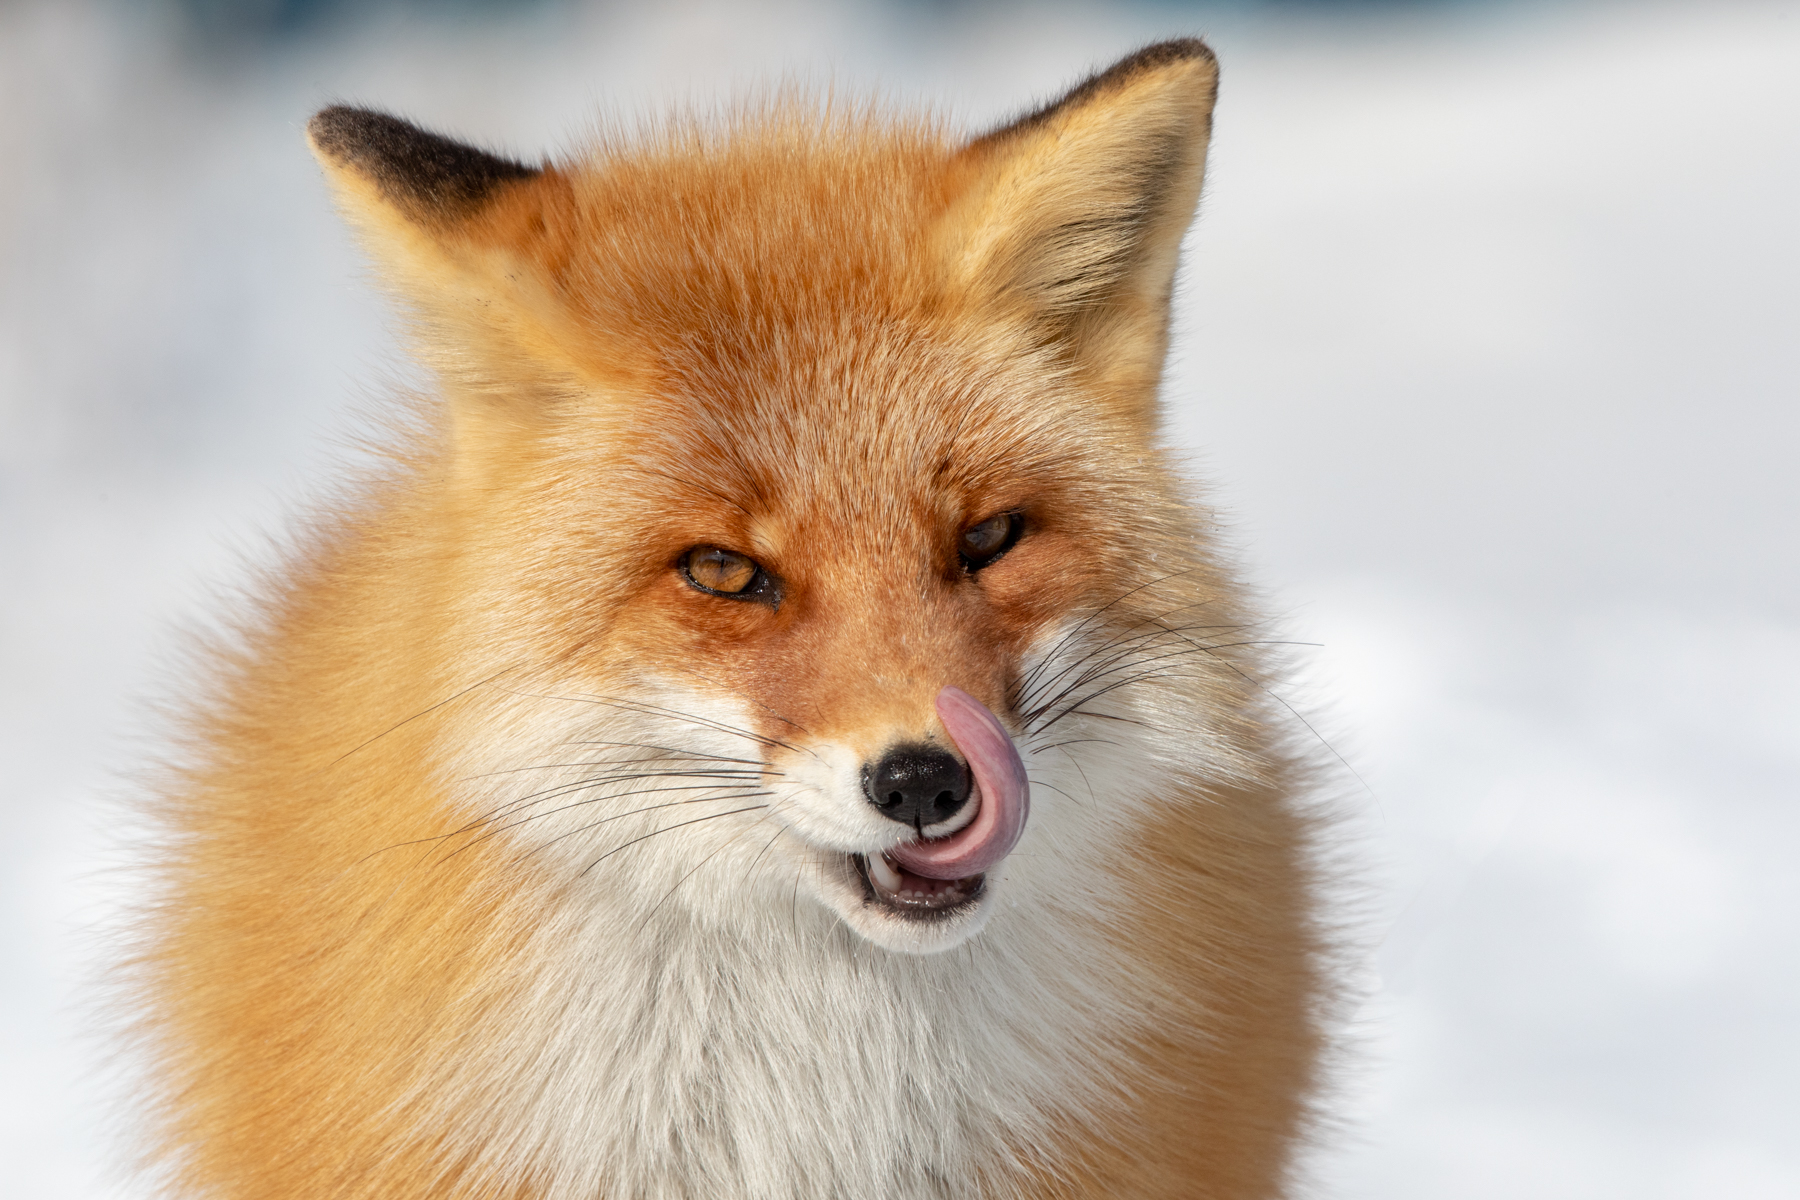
[{"x": 909, "y": 895}]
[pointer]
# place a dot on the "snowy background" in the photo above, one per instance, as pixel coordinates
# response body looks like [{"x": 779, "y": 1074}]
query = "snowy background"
[{"x": 1489, "y": 341}]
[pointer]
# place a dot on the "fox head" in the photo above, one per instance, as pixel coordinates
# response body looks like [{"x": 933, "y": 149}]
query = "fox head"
[{"x": 797, "y": 502}]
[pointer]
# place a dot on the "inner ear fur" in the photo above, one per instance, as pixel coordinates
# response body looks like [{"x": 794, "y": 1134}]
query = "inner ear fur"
[
  {"x": 1072, "y": 216},
  {"x": 466, "y": 237}
]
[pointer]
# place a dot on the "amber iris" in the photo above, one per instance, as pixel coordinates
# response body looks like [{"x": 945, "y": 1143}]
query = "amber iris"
[{"x": 724, "y": 571}]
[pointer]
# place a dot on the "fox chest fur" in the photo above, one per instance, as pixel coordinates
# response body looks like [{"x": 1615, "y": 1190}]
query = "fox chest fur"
[{"x": 777, "y": 729}]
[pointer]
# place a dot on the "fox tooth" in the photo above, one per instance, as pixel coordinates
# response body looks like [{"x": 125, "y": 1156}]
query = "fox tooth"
[{"x": 883, "y": 873}]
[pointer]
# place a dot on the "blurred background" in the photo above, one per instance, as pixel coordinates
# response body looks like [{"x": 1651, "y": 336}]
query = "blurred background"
[{"x": 1486, "y": 345}]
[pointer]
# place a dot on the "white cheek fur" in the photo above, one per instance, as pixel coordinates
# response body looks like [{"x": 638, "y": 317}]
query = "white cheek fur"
[
  {"x": 709, "y": 1013},
  {"x": 821, "y": 792}
]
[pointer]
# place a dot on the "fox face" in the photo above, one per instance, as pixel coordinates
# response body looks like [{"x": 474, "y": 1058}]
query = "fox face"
[
  {"x": 778, "y": 578},
  {"x": 828, "y": 436},
  {"x": 806, "y": 582}
]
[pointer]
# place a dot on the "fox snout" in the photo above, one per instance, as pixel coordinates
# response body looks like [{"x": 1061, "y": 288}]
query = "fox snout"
[
  {"x": 907, "y": 838},
  {"x": 918, "y": 785}
]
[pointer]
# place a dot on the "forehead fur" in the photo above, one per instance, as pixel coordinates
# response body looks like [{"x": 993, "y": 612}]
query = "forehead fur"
[
  {"x": 775, "y": 284},
  {"x": 803, "y": 304},
  {"x": 777, "y": 217}
]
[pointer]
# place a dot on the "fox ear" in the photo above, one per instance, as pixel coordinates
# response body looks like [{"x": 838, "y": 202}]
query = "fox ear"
[
  {"x": 423, "y": 177},
  {"x": 1073, "y": 215},
  {"x": 464, "y": 234}
]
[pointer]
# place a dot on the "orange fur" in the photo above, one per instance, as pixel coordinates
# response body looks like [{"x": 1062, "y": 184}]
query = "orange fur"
[{"x": 827, "y": 340}]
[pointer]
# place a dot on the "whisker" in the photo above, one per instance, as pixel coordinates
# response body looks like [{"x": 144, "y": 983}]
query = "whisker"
[
  {"x": 753, "y": 700},
  {"x": 675, "y": 752},
  {"x": 1193, "y": 648},
  {"x": 1100, "y": 716},
  {"x": 750, "y": 769},
  {"x": 1073, "y": 742},
  {"x": 1126, "y": 663},
  {"x": 689, "y": 874},
  {"x": 1293, "y": 712},
  {"x": 1118, "y": 636},
  {"x": 1036, "y": 783},
  {"x": 728, "y": 794},
  {"x": 635, "y": 812},
  {"x": 1080, "y": 626},
  {"x": 716, "y": 795},
  {"x": 1097, "y": 662},
  {"x": 1099, "y": 692},
  {"x": 759, "y": 854},
  {"x": 671, "y": 829},
  {"x": 732, "y": 841},
  {"x": 646, "y": 709},
  {"x": 422, "y": 712},
  {"x": 597, "y": 781}
]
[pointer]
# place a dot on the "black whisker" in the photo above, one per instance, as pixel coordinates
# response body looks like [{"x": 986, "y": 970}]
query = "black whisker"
[
  {"x": 759, "y": 854},
  {"x": 1124, "y": 663},
  {"x": 715, "y": 794},
  {"x": 673, "y": 750},
  {"x": 1050, "y": 655},
  {"x": 732, "y": 841},
  {"x": 650, "y": 808},
  {"x": 1037, "y": 783},
  {"x": 1136, "y": 663},
  {"x": 753, "y": 700},
  {"x": 1073, "y": 742},
  {"x": 422, "y": 712},
  {"x": 736, "y": 792},
  {"x": 1118, "y": 636},
  {"x": 645, "y": 709},
  {"x": 1266, "y": 690},
  {"x": 689, "y": 874},
  {"x": 672, "y": 828},
  {"x": 751, "y": 766},
  {"x": 1096, "y": 661},
  {"x": 597, "y": 781}
]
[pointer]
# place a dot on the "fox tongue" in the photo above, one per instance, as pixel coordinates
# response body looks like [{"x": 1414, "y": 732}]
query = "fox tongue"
[{"x": 1001, "y": 791}]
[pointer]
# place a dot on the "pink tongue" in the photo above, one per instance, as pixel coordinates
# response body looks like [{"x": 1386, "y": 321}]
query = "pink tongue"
[{"x": 1001, "y": 791}]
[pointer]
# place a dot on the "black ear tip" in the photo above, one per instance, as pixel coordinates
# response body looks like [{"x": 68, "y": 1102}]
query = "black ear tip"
[
  {"x": 335, "y": 131},
  {"x": 424, "y": 173},
  {"x": 1162, "y": 54},
  {"x": 1153, "y": 57}
]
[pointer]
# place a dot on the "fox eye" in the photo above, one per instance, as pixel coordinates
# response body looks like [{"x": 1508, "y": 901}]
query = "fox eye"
[
  {"x": 720, "y": 572},
  {"x": 984, "y": 541}
]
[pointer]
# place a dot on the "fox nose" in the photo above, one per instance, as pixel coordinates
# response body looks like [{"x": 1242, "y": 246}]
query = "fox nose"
[{"x": 918, "y": 785}]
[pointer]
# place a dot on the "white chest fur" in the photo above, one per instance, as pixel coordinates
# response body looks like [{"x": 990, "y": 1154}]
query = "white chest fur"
[{"x": 791, "y": 1058}]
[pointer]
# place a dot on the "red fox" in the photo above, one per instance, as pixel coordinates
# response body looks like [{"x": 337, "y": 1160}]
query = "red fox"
[{"x": 776, "y": 728}]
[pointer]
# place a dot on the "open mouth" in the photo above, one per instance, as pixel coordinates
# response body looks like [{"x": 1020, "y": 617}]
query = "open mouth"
[
  {"x": 937, "y": 877},
  {"x": 929, "y": 894},
  {"x": 915, "y": 897}
]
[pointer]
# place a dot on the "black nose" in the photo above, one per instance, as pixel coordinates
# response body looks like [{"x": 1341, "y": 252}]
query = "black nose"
[{"x": 917, "y": 785}]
